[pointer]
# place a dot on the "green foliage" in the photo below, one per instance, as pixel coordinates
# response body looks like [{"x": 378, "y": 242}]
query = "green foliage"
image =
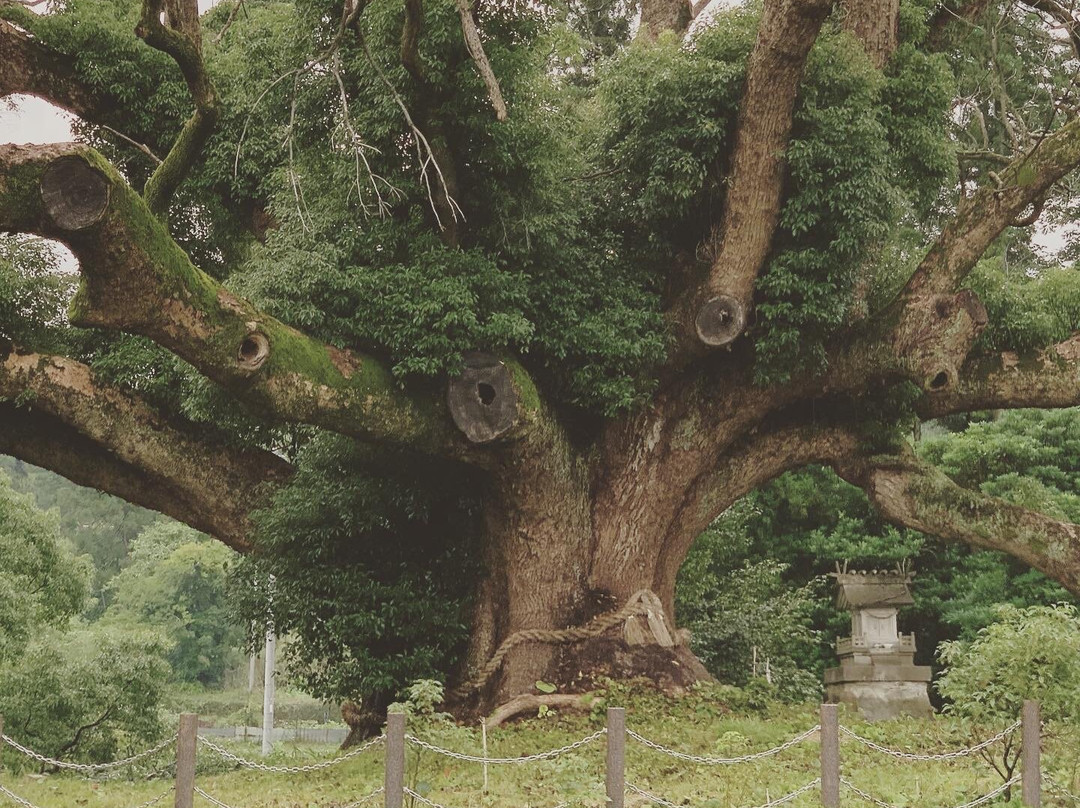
[
  {"x": 744, "y": 618},
  {"x": 371, "y": 573},
  {"x": 97, "y": 526},
  {"x": 1031, "y": 653},
  {"x": 90, "y": 694},
  {"x": 1027, "y": 310},
  {"x": 176, "y": 582},
  {"x": 41, "y": 585},
  {"x": 33, "y": 295},
  {"x": 864, "y": 150}
]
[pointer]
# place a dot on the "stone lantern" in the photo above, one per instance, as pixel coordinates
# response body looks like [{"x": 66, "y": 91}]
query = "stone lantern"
[{"x": 877, "y": 672}]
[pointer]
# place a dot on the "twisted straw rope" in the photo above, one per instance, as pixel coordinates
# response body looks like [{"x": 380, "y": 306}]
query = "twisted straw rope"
[{"x": 641, "y": 602}]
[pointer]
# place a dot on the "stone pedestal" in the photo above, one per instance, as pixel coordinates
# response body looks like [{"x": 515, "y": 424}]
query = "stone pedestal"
[{"x": 877, "y": 673}]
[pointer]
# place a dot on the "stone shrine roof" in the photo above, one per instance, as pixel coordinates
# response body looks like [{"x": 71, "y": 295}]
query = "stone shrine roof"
[{"x": 876, "y": 588}]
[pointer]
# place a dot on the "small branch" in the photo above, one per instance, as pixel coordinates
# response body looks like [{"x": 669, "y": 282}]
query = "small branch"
[
  {"x": 228, "y": 23},
  {"x": 140, "y": 146},
  {"x": 1030, "y": 219},
  {"x": 479, "y": 57},
  {"x": 424, "y": 153},
  {"x": 1062, "y": 16}
]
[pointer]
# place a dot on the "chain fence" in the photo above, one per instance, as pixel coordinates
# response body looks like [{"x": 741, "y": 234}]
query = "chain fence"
[
  {"x": 88, "y": 769},
  {"x": 1060, "y": 790},
  {"x": 706, "y": 760},
  {"x": 911, "y": 756},
  {"x": 770, "y": 804},
  {"x": 244, "y": 763},
  {"x": 25, "y": 803},
  {"x": 396, "y": 741},
  {"x": 210, "y": 798},
  {"x": 497, "y": 761},
  {"x": 975, "y": 802}
]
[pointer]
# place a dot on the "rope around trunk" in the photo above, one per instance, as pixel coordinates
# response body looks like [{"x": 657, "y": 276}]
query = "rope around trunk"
[{"x": 641, "y": 602}]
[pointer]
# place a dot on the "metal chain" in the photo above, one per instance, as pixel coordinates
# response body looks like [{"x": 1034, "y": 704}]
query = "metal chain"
[
  {"x": 211, "y": 800},
  {"x": 87, "y": 768},
  {"x": 706, "y": 760},
  {"x": 311, "y": 767},
  {"x": 431, "y": 804},
  {"x": 552, "y": 753},
  {"x": 422, "y": 798},
  {"x": 959, "y": 753},
  {"x": 975, "y": 802},
  {"x": 16, "y": 798},
  {"x": 362, "y": 800},
  {"x": 27, "y": 804},
  {"x": 770, "y": 804},
  {"x": 1060, "y": 789}
]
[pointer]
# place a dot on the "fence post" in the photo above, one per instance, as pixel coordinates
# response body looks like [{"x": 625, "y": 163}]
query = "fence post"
[
  {"x": 394, "y": 783},
  {"x": 615, "y": 767},
  {"x": 1030, "y": 732},
  {"x": 186, "y": 741},
  {"x": 830, "y": 757}
]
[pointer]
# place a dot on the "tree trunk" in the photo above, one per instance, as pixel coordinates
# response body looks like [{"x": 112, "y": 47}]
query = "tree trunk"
[{"x": 575, "y": 587}]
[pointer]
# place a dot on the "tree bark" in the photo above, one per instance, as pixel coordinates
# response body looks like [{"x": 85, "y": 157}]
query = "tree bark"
[
  {"x": 56, "y": 414},
  {"x": 874, "y": 24}
]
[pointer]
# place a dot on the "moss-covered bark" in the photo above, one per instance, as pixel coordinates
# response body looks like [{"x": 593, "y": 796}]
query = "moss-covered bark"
[
  {"x": 55, "y": 413},
  {"x": 136, "y": 279}
]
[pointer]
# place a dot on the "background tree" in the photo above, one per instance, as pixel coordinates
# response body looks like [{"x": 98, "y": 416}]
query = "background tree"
[
  {"x": 175, "y": 582},
  {"x": 609, "y": 296},
  {"x": 1026, "y": 654},
  {"x": 68, "y": 690}
]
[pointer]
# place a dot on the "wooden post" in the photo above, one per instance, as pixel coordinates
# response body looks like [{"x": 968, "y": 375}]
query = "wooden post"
[
  {"x": 483, "y": 735},
  {"x": 616, "y": 757},
  {"x": 186, "y": 742},
  {"x": 830, "y": 757},
  {"x": 394, "y": 782},
  {"x": 1031, "y": 774}
]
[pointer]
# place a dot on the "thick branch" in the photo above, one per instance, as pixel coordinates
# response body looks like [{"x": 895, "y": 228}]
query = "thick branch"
[
  {"x": 136, "y": 279},
  {"x": 55, "y": 414},
  {"x": 874, "y": 24},
  {"x": 1045, "y": 379},
  {"x": 916, "y": 495},
  {"x": 658, "y": 16},
  {"x": 179, "y": 36},
  {"x": 1062, "y": 16},
  {"x": 29, "y": 67},
  {"x": 752, "y": 207},
  {"x": 982, "y": 217}
]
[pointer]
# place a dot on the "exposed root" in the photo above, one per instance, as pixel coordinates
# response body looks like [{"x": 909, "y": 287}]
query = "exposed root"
[{"x": 529, "y": 703}]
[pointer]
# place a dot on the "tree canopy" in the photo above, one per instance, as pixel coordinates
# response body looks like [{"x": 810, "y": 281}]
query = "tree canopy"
[{"x": 503, "y": 304}]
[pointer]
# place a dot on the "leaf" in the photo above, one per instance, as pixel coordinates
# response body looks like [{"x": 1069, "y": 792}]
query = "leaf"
[{"x": 545, "y": 687}]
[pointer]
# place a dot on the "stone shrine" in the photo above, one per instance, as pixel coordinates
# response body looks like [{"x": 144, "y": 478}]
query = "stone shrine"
[{"x": 877, "y": 672}]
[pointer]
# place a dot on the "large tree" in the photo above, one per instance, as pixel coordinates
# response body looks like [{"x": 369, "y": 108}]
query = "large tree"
[{"x": 610, "y": 286}]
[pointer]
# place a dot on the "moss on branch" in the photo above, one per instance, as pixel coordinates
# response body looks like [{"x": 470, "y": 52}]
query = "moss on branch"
[{"x": 136, "y": 279}]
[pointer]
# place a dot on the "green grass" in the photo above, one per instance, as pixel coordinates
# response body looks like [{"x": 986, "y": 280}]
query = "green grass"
[{"x": 696, "y": 723}]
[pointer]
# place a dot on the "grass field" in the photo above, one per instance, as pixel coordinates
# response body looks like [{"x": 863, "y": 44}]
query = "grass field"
[{"x": 698, "y": 723}]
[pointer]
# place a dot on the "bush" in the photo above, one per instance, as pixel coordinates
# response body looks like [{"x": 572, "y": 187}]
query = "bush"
[{"x": 87, "y": 695}]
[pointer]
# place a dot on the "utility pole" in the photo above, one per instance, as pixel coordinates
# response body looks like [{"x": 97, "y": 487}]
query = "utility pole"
[{"x": 269, "y": 683}]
